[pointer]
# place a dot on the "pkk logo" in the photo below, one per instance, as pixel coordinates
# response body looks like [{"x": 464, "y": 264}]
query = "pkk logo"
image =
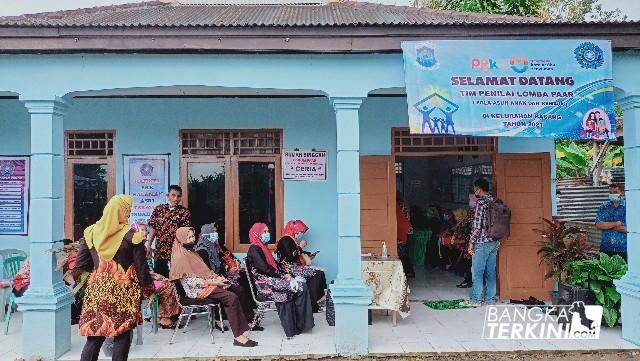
[
  {"x": 6, "y": 168},
  {"x": 589, "y": 55},
  {"x": 426, "y": 56},
  {"x": 519, "y": 64},
  {"x": 146, "y": 169}
]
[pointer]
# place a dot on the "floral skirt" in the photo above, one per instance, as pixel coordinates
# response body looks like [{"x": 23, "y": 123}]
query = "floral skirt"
[{"x": 112, "y": 301}]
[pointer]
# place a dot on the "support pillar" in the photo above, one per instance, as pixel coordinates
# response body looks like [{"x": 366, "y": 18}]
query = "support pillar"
[
  {"x": 350, "y": 295},
  {"x": 629, "y": 285},
  {"x": 46, "y": 306}
]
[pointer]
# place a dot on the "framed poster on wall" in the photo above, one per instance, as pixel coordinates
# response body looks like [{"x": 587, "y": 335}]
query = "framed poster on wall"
[
  {"x": 146, "y": 179},
  {"x": 14, "y": 195}
]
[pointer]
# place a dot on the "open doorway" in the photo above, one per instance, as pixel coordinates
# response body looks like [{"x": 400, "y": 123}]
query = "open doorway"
[
  {"x": 434, "y": 178},
  {"x": 437, "y": 192}
]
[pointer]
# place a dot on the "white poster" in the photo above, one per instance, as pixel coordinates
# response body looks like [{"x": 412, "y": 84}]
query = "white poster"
[
  {"x": 304, "y": 165},
  {"x": 14, "y": 195},
  {"x": 146, "y": 179}
]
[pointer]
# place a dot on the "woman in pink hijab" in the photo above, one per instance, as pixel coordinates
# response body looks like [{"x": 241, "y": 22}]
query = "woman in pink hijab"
[
  {"x": 272, "y": 283},
  {"x": 291, "y": 260}
]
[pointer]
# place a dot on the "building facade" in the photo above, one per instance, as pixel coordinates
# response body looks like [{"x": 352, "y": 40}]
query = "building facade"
[{"x": 167, "y": 78}]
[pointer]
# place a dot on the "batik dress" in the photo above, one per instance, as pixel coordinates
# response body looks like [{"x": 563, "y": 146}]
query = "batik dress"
[{"x": 114, "y": 290}]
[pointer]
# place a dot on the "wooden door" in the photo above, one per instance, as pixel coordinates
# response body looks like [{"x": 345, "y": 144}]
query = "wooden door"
[
  {"x": 523, "y": 182},
  {"x": 377, "y": 204}
]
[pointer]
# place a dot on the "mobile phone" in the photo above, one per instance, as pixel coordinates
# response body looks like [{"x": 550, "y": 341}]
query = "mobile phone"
[{"x": 315, "y": 253}]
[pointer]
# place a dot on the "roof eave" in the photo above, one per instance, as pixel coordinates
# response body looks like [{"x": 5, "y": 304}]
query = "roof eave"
[{"x": 340, "y": 39}]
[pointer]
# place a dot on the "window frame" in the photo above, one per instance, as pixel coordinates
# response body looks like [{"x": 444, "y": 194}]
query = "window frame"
[
  {"x": 71, "y": 161},
  {"x": 232, "y": 196}
]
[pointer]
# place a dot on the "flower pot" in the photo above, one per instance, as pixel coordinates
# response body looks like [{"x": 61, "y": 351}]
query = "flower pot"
[{"x": 568, "y": 294}]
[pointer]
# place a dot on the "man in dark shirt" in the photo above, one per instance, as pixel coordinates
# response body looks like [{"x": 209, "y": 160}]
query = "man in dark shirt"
[
  {"x": 165, "y": 220},
  {"x": 612, "y": 220}
]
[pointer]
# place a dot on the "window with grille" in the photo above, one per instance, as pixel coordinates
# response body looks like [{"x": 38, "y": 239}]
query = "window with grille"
[
  {"x": 405, "y": 142},
  {"x": 89, "y": 144},
  {"x": 231, "y": 142}
]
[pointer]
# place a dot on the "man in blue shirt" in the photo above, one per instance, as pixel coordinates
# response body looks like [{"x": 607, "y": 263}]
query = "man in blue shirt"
[{"x": 612, "y": 220}]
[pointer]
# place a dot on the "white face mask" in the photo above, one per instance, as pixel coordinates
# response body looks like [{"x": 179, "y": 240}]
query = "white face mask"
[{"x": 171, "y": 204}]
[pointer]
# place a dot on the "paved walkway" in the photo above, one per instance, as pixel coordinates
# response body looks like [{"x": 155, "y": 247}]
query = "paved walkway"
[{"x": 426, "y": 330}]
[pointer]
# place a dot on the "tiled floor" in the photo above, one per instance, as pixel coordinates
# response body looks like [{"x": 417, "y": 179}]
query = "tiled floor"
[{"x": 426, "y": 330}]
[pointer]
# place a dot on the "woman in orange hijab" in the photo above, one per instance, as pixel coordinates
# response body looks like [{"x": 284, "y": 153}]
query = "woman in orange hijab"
[
  {"x": 115, "y": 255},
  {"x": 200, "y": 282},
  {"x": 290, "y": 259}
]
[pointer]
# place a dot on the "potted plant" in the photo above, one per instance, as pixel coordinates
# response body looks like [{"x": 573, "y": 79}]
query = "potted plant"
[
  {"x": 561, "y": 245},
  {"x": 597, "y": 275}
]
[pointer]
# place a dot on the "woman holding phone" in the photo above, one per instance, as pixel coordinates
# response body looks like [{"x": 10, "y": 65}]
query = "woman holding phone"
[{"x": 294, "y": 260}]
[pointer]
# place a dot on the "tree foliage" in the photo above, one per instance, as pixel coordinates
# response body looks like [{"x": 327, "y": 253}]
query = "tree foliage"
[
  {"x": 509, "y": 7},
  {"x": 570, "y": 10}
]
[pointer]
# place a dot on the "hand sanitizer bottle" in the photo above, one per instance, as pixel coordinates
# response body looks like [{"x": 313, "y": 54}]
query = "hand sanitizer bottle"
[{"x": 385, "y": 252}]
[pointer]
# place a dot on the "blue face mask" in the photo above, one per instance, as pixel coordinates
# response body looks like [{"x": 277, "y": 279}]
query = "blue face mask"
[
  {"x": 213, "y": 236},
  {"x": 614, "y": 197},
  {"x": 266, "y": 237}
]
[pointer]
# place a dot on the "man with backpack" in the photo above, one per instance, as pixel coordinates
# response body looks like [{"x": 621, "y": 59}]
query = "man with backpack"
[{"x": 490, "y": 224}]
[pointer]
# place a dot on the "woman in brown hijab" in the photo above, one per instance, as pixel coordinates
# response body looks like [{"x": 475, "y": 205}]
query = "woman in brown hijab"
[
  {"x": 200, "y": 282},
  {"x": 115, "y": 255}
]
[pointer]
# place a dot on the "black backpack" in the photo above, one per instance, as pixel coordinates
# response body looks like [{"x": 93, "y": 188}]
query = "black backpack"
[{"x": 499, "y": 220}]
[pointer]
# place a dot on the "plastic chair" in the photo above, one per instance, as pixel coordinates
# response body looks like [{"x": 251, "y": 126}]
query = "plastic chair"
[{"x": 11, "y": 268}]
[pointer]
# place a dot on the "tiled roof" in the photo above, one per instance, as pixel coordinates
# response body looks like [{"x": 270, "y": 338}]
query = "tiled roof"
[{"x": 334, "y": 14}]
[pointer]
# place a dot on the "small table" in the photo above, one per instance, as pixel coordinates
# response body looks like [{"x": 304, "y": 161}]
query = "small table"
[{"x": 386, "y": 278}]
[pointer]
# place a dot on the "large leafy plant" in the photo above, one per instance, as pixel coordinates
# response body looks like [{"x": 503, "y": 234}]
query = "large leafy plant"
[
  {"x": 598, "y": 275},
  {"x": 572, "y": 159},
  {"x": 561, "y": 244}
]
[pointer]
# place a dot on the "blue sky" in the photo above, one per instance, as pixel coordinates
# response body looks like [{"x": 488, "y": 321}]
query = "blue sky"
[{"x": 17, "y": 7}]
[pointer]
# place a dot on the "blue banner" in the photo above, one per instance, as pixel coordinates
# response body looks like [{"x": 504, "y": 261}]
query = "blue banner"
[{"x": 511, "y": 88}]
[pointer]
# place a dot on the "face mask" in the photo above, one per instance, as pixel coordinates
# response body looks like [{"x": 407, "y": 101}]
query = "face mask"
[
  {"x": 299, "y": 235},
  {"x": 266, "y": 237},
  {"x": 189, "y": 246},
  {"x": 614, "y": 197},
  {"x": 172, "y": 204},
  {"x": 213, "y": 236}
]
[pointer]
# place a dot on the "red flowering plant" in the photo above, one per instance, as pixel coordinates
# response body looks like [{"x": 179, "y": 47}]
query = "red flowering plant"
[
  {"x": 66, "y": 261},
  {"x": 560, "y": 246}
]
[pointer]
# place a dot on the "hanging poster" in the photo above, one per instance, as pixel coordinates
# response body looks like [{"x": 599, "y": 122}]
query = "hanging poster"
[
  {"x": 146, "y": 179},
  {"x": 512, "y": 88},
  {"x": 309, "y": 165},
  {"x": 14, "y": 195}
]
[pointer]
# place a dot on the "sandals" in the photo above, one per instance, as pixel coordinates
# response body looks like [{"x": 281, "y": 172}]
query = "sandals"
[
  {"x": 249, "y": 343},
  {"x": 221, "y": 328},
  {"x": 257, "y": 328},
  {"x": 168, "y": 327}
]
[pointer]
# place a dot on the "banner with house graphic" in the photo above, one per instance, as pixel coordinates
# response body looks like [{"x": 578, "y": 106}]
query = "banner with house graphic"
[{"x": 512, "y": 88}]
